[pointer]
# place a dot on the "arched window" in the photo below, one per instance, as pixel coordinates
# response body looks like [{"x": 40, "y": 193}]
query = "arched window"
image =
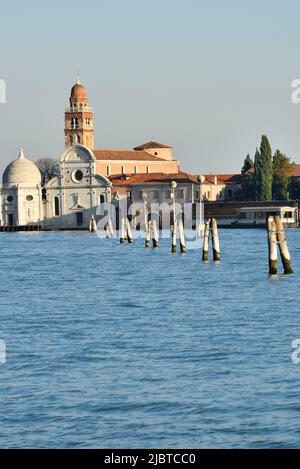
[
  {"x": 102, "y": 199},
  {"x": 74, "y": 123},
  {"x": 56, "y": 207},
  {"x": 78, "y": 139}
]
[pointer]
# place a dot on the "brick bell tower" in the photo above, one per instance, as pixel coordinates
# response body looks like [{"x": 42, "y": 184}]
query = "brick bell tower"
[{"x": 79, "y": 119}]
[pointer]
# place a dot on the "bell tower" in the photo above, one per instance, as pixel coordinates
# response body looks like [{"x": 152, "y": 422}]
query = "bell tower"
[{"x": 79, "y": 119}]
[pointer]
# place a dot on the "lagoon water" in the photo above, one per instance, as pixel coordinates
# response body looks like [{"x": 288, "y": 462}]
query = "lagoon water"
[{"x": 113, "y": 346}]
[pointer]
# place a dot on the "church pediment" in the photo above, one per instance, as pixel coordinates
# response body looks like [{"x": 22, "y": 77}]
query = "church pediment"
[{"x": 77, "y": 207}]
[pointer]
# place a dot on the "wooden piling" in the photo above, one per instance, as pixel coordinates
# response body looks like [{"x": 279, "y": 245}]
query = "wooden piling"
[
  {"x": 155, "y": 234},
  {"x": 93, "y": 225},
  {"x": 109, "y": 229},
  {"x": 206, "y": 241},
  {"x": 181, "y": 236},
  {"x": 283, "y": 247},
  {"x": 128, "y": 231},
  {"x": 215, "y": 241},
  {"x": 272, "y": 239},
  {"x": 148, "y": 234},
  {"x": 174, "y": 236},
  {"x": 123, "y": 236}
]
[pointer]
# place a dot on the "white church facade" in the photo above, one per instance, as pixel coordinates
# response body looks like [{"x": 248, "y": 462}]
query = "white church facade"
[{"x": 72, "y": 198}]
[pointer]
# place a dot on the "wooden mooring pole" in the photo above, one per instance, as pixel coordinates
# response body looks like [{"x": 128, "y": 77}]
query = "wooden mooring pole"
[
  {"x": 215, "y": 240},
  {"x": 283, "y": 247},
  {"x": 128, "y": 231},
  {"x": 155, "y": 234},
  {"x": 109, "y": 229},
  {"x": 182, "y": 237},
  {"x": 148, "y": 234},
  {"x": 206, "y": 241},
  {"x": 272, "y": 239},
  {"x": 123, "y": 236},
  {"x": 174, "y": 236},
  {"x": 93, "y": 225}
]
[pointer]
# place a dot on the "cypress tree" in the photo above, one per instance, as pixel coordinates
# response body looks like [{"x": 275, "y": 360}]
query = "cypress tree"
[
  {"x": 263, "y": 171},
  {"x": 257, "y": 175}
]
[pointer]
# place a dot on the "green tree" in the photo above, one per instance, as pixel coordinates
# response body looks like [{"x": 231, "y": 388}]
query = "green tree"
[
  {"x": 263, "y": 171},
  {"x": 282, "y": 169},
  {"x": 248, "y": 179}
]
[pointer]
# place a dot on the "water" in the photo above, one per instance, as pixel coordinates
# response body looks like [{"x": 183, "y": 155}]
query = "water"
[{"x": 116, "y": 346}]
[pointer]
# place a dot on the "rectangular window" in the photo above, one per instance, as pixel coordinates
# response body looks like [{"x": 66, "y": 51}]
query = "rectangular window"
[
  {"x": 56, "y": 207},
  {"x": 229, "y": 193}
]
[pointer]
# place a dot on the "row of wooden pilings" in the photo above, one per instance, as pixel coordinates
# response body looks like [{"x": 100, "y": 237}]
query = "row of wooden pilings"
[
  {"x": 177, "y": 231},
  {"x": 276, "y": 237}
]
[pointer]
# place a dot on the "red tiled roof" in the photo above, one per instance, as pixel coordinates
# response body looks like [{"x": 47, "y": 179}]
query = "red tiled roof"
[
  {"x": 151, "y": 145},
  {"x": 223, "y": 178},
  {"x": 125, "y": 155},
  {"x": 296, "y": 171},
  {"x": 164, "y": 178},
  {"x": 152, "y": 178}
]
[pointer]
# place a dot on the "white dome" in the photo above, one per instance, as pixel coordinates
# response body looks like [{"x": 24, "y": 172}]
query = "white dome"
[{"x": 21, "y": 172}]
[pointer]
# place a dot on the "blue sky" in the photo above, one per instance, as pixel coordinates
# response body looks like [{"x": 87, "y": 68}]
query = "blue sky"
[{"x": 208, "y": 77}]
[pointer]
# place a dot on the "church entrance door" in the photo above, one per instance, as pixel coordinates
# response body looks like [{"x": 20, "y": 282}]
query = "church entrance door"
[
  {"x": 10, "y": 219},
  {"x": 79, "y": 219}
]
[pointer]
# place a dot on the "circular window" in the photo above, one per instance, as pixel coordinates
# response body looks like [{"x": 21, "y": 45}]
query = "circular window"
[
  {"x": 78, "y": 175},
  {"x": 29, "y": 198},
  {"x": 10, "y": 198}
]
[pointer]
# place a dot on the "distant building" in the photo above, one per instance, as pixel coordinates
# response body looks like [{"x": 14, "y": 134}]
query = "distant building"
[
  {"x": 90, "y": 177},
  {"x": 221, "y": 187}
]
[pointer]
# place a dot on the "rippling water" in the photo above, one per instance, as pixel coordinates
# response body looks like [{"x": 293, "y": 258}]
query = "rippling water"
[{"x": 117, "y": 346}]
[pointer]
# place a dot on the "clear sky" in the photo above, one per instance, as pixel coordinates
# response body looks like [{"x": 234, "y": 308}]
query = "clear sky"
[{"x": 208, "y": 77}]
